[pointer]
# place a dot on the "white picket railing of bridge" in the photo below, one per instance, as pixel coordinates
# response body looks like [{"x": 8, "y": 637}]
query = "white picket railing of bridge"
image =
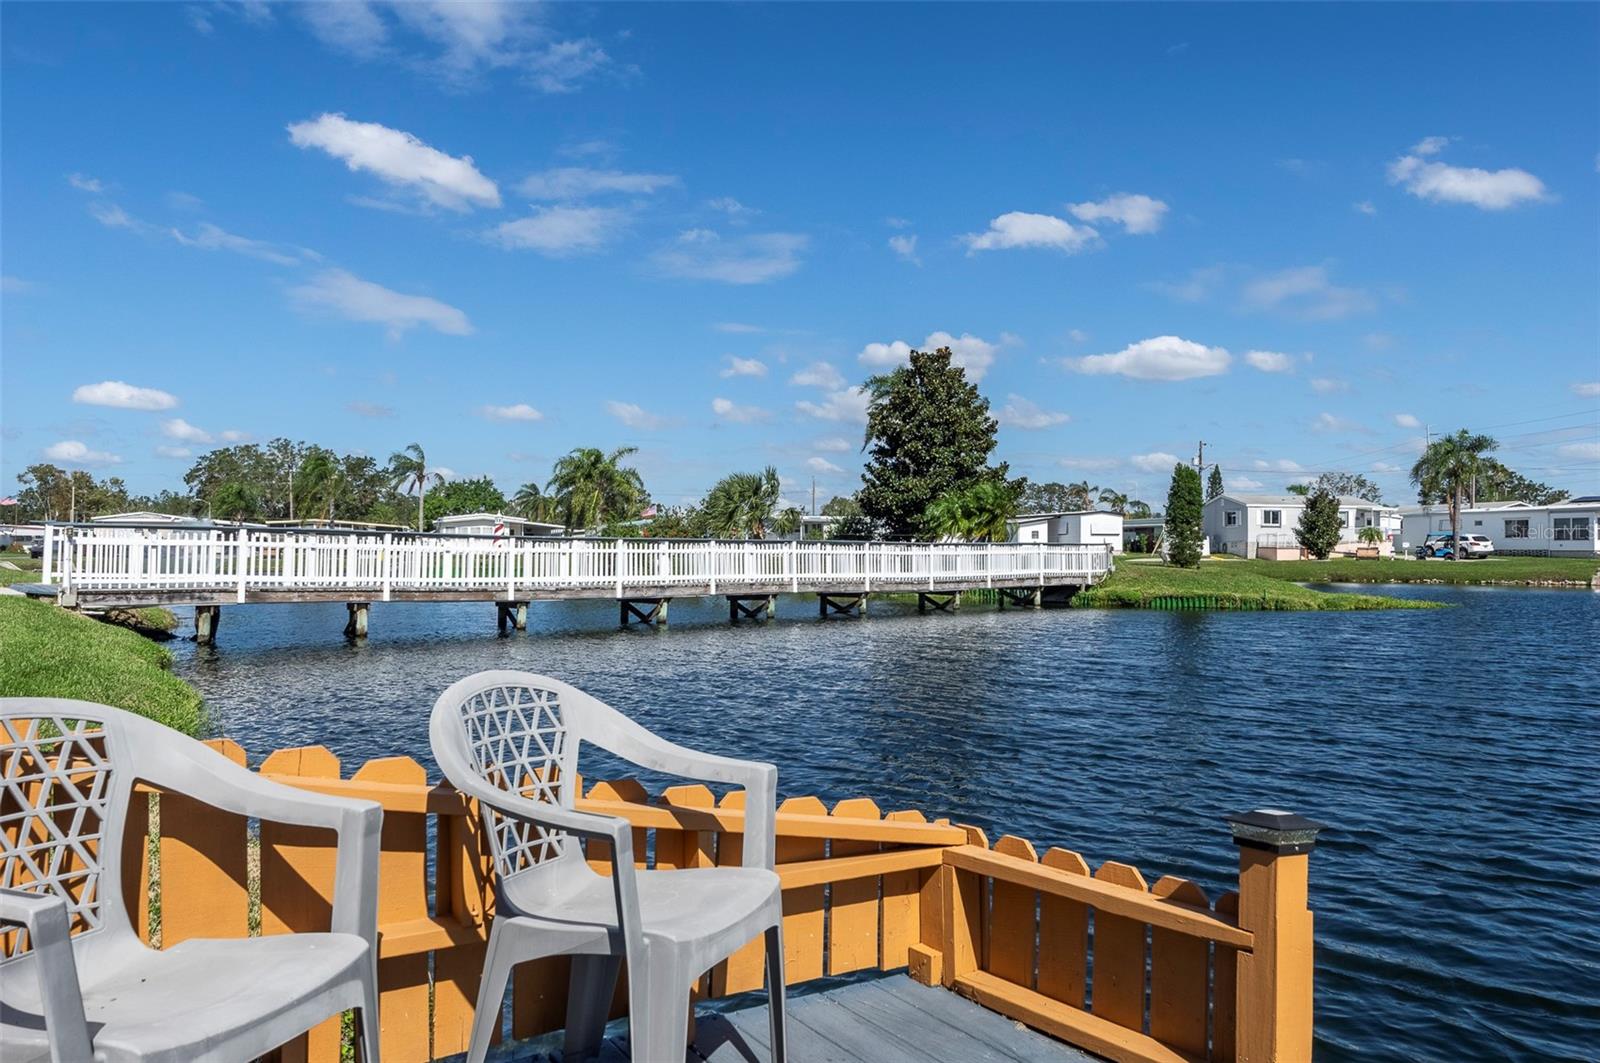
[{"x": 167, "y": 559}]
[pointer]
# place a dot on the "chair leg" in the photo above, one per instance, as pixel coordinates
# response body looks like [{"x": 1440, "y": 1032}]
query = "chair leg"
[
  {"x": 369, "y": 1019},
  {"x": 491, "y": 991},
  {"x": 775, "y": 992},
  {"x": 658, "y": 1016},
  {"x": 594, "y": 981}
]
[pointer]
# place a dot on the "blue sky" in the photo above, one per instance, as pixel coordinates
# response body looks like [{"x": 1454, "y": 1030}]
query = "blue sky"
[{"x": 1303, "y": 233}]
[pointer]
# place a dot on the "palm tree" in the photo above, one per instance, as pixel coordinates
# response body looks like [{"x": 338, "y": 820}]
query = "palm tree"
[
  {"x": 1136, "y": 508},
  {"x": 591, "y": 487},
  {"x": 1081, "y": 494},
  {"x": 741, "y": 505},
  {"x": 789, "y": 521},
  {"x": 973, "y": 514},
  {"x": 320, "y": 482},
  {"x": 1115, "y": 499},
  {"x": 1446, "y": 468},
  {"x": 408, "y": 468},
  {"x": 531, "y": 502}
]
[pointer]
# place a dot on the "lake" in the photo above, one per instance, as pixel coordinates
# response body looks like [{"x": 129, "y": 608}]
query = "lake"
[{"x": 1453, "y": 754}]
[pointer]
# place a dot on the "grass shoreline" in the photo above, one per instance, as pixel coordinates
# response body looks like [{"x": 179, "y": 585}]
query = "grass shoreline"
[
  {"x": 1495, "y": 571},
  {"x": 56, "y": 653},
  {"x": 1152, "y": 585}
]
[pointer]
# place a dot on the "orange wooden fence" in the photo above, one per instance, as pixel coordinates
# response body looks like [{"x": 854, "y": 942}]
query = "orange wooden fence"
[{"x": 1096, "y": 960}]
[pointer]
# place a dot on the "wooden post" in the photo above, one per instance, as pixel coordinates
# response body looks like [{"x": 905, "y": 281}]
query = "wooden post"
[
  {"x": 1274, "y": 991},
  {"x": 519, "y": 619},
  {"x": 356, "y": 626},
  {"x": 206, "y": 619}
]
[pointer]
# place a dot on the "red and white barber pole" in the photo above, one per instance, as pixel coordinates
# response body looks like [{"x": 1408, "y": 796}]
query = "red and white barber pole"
[{"x": 499, "y": 533}]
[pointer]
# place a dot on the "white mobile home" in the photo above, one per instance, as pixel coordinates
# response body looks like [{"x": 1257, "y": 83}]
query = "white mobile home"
[
  {"x": 1250, "y": 525},
  {"x": 1565, "y": 529},
  {"x": 496, "y": 524},
  {"x": 1077, "y": 528}
]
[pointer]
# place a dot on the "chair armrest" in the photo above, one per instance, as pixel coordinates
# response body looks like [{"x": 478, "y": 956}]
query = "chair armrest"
[
  {"x": 635, "y": 743},
  {"x": 191, "y": 769},
  {"x": 44, "y": 917}
]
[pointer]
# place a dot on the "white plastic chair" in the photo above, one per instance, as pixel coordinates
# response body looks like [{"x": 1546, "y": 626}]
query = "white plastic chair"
[
  {"x": 76, "y": 983},
  {"x": 511, "y": 740}
]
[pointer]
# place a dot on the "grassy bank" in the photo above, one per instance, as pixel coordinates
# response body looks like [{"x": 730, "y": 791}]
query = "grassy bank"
[
  {"x": 1510, "y": 570},
  {"x": 50, "y": 652},
  {"x": 1221, "y": 585}
]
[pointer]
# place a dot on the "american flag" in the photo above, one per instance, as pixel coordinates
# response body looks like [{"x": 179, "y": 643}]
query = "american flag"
[
  {"x": 8, "y": 501},
  {"x": 649, "y": 512}
]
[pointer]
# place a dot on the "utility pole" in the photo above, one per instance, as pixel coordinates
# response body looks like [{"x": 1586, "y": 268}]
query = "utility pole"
[{"x": 1200, "y": 457}]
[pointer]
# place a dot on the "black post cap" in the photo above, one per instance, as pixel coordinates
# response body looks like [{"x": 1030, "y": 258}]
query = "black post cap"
[{"x": 1274, "y": 830}]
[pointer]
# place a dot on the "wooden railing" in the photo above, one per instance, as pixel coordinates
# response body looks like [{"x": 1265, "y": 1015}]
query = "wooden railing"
[
  {"x": 375, "y": 566},
  {"x": 862, "y": 890}
]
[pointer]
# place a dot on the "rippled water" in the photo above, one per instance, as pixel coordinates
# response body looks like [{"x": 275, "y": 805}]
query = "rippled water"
[{"x": 1453, "y": 754}]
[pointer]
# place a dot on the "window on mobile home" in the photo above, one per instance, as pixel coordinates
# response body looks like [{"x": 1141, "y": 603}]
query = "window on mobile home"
[
  {"x": 1516, "y": 529},
  {"x": 1271, "y": 518},
  {"x": 1571, "y": 529}
]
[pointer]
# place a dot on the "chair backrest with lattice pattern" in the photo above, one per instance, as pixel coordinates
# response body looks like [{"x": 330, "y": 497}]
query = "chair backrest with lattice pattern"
[
  {"x": 521, "y": 736},
  {"x": 63, "y": 802}
]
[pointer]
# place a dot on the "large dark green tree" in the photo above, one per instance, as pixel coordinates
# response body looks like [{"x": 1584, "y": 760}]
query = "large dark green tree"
[
  {"x": 1183, "y": 531},
  {"x": 455, "y": 497},
  {"x": 928, "y": 433},
  {"x": 1214, "y": 485},
  {"x": 1318, "y": 530}
]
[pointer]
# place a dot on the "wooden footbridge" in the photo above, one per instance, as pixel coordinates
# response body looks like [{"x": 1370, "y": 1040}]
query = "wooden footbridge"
[{"x": 126, "y": 566}]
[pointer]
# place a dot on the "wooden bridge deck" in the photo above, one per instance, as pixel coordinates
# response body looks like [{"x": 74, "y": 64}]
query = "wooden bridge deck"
[{"x": 885, "y": 1020}]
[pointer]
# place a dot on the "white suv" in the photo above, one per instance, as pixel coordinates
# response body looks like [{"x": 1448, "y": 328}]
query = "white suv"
[{"x": 1477, "y": 545}]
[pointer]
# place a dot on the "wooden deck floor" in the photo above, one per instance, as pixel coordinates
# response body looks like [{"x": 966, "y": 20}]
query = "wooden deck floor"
[{"x": 886, "y": 1020}]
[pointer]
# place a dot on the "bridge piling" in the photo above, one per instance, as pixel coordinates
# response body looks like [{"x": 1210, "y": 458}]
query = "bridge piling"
[
  {"x": 514, "y": 614},
  {"x": 947, "y": 602},
  {"x": 356, "y": 626},
  {"x": 644, "y": 611},
  {"x": 841, "y": 605},
  {"x": 206, "y": 619},
  {"x": 752, "y": 607}
]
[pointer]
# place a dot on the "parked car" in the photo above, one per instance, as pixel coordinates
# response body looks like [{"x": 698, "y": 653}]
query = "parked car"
[{"x": 1443, "y": 544}]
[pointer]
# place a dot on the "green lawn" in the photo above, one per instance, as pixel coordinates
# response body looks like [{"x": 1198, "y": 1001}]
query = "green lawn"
[
  {"x": 51, "y": 652},
  {"x": 30, "y": 569},
  {"x": 1533, "y": 570},
  {"x": 1223, "y": 585}
]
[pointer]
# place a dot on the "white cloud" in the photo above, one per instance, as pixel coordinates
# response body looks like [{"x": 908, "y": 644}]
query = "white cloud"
[
  {"x": 635, "y": 416},
  {"x": 73, "y": 452},
  {"x": 822, "y": 465},
  {"x": 1077, "y": 335},
  {"x": 178, "y": 428},
  {"x": 1587, "y": 389},
  {"x": 819, "y": 375},
  {"x": 1364, "y": 207},
  {"x": 736, "y": 328},
  {"x": 1326, "y": 385},
  {"x": 114, "y": 217},
  {"x": 213, "y": 238},
  {"x": 755, "y": 258},
  {"x": 369, "y": 409},
  {"x": 972, "y": 353},
  {"x": 85, "y": 183},
  {"x": 1155, "y": 461},
  {"x": 1269, "y": 361},
  {"x": 10, "y": 285},
  {"x": 848, "y": 404},
  {"x": 458, "y": 43},
  {"x": 1278, "y": 465},
  {"x": 1234, "y": 481},
  {"x": 1305, "y": 292},
  {"x": 833, "y": 445},
  {"x": 735, "y": 210},
  {"x": 123, "y": 396},
  {"x": 1022, "y": 412},
  {"x": 1197, "y": 287},
  {"x": 360, "y": 300},
  {"x": 1091, "y": 464},
  {"x": 1387, "y": 467},
  {"x": 519, "y": 411},
  {"x": 744, "y": 367},
  {"x": 165, "y": 451},
  {"x": 580, "y": 182},
  {"x": 1581, "y": 451},
  {"x": 1019, "y": 229},
  {"x": 1136, "y": 214},
  {"x": 1158, "y": 358},
  {"x": 729, "y": 410},
  {"x": 399, "y": 159},
  {"x": 233, "y": 435},
  {"x": 906, "y": 247},
  {"x": 1406, "y": 420},
  {"x": 1327, "y": 422},
  {"x": 1440, "y": 182},
  {"x": 560, "y": 231}
]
